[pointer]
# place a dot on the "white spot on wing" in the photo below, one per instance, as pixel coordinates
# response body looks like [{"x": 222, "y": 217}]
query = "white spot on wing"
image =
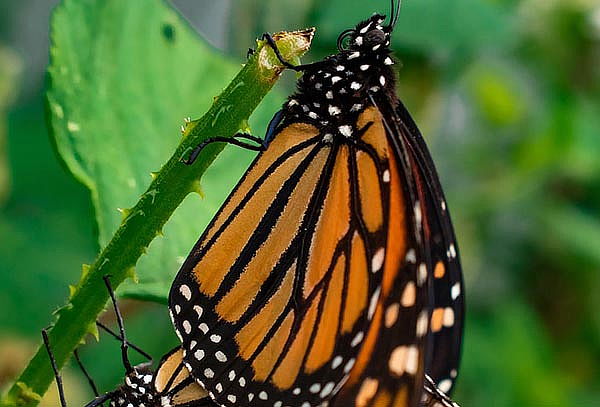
[
  {"x": 422, "y": 324},
  {"x": 377, "y": 260},
  {"x": 220, "y": 356},
  {"x": 412, "y": 360},
  {"x": 386, "y": 176},
  {"x": 357, "y": 339},
  {"x": 455, "y": 291},
  {"x": 373, "y": 302},
  {"x": 337, "y": 361},
  {"x": 421, "y": 274},
  {"x": 185, "y": 291},
  {"x": 445, "y": 385}
]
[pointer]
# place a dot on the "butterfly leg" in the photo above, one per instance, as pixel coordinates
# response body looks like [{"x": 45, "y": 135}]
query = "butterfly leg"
[
  {"x": 86, "y": 373},
  {"x": 434, "y": 396},
  {"x": 57, "y": 376},
  {"x": 117, "y": 337},
  {"x": 230, "y": 140},
  {"x": 262, "y": 143},
  {"x": 124, "y": 344},
  {"x": 298, "y": 68}
]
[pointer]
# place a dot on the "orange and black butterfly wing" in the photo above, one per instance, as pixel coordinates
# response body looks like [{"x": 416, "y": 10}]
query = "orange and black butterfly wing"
[
  {"x": 417, "y": 327},
  {"x": 391, "y": 365},
  {"x": 447, "y": 318},
  {"x": 173, "y": 382},
  {"x": 274, "y": 302}
]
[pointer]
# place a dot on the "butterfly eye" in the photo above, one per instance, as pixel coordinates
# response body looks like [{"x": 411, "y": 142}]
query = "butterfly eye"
[{"x": 375, "y": 37}]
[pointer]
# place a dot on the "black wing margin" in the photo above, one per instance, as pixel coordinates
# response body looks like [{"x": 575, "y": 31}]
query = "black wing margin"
[{"x": 448, "y": 308}]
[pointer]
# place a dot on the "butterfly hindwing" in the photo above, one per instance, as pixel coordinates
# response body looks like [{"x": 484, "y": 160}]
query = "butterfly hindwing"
[{"x": 447, "y": 318}]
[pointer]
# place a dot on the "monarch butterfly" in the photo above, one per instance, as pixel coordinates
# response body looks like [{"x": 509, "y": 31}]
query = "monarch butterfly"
[
  {"x": 171, "y": 384},
  {"x": 330, "y": 276}
]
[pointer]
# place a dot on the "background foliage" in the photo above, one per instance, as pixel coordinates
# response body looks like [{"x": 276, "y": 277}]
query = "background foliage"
[{"x": 508, "y": 95}]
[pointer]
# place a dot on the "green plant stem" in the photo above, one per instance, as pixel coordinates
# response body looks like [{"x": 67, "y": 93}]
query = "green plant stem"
[{"x": 145, "y": 220}]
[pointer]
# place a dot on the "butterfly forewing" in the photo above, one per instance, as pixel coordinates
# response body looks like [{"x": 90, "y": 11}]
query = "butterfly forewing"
[{"x": 276, "y": 299}]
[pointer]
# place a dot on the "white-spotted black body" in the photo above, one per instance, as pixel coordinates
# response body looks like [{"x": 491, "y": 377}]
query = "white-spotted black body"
[
  {"x": 335, "y": 91},
  {"x": 169, "y": 386}
]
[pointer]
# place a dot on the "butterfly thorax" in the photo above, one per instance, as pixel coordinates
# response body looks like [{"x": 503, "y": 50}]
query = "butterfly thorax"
[
  {"x": 137, "y": 391},
  {"x": 332, "y": 94}
]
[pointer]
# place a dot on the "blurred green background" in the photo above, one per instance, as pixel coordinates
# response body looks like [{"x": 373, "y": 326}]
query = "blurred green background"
[{"x": 507, "y": 93}]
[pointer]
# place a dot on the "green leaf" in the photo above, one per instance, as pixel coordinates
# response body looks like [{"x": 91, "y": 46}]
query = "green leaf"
[{"x": 117, "y": 103}]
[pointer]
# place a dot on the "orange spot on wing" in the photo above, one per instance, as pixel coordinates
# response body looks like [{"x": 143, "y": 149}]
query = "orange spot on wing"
[
  {"x": 324, "y": 343},
  {"x": 367, "y": 391},
  {"x": 333, "y": 223},
  {"x": 266, "y": 359},
  {"x": 358, "y": 284},
  {"x": 253, "y": 333},
  {"x": 439, "y": 270},
  {"x": 437, "y": 320},
  {"x": 238, "y": 299},
  {"x": 370, "y": 191},
  {"x": 286, "y": 373},
  {"x": 391, "y": 314}
]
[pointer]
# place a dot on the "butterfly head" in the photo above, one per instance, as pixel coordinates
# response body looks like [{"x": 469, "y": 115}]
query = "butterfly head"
[{"x": 370, "y": 35}]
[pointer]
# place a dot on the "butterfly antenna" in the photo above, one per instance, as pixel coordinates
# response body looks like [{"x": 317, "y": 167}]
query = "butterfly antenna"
[
  {"x": 59, "y": 384},
  {"x": 116, "y": 336},
  {"x": 124, "y": 344},
  {"x": 395, "y": 6},
  {"x": 86, "y": 373},
  {"x": 398, "y": 7}
]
